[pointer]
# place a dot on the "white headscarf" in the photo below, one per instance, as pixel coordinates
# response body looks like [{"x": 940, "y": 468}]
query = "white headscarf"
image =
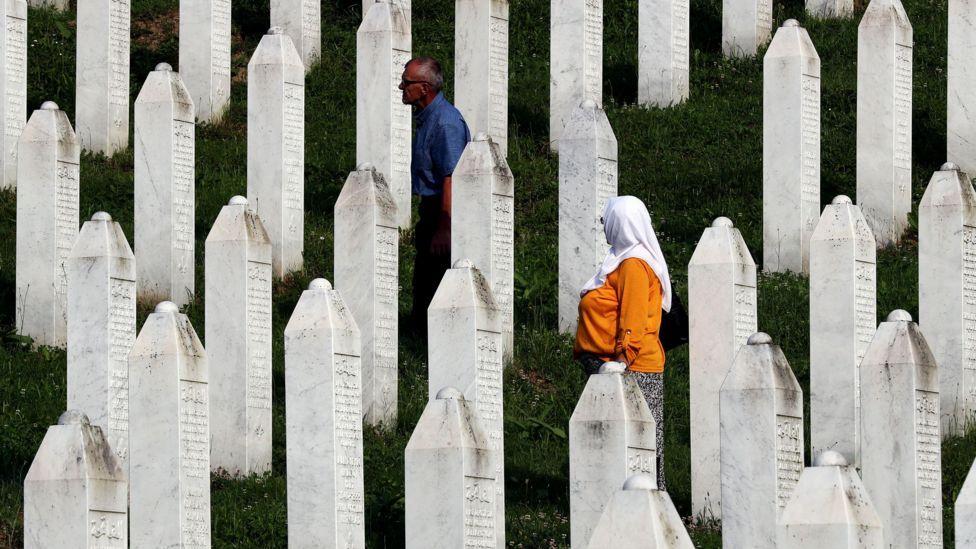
[{"x": 630, "y": 234}]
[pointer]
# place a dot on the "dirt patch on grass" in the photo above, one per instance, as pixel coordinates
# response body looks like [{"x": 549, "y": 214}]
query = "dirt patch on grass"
[
  {"x": 536, "y": 380},
  {"x": 153, "y": 33}
]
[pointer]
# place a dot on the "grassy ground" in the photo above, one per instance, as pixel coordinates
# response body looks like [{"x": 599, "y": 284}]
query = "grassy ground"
[{"x": 689, "y": 164}]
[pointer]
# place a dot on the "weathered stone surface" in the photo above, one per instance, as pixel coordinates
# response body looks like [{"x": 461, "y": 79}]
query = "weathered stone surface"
[
  {"x": 640, "y": 517},
  {"x": 367, "y": 270},
  {"x": 721, "y": 316},
  {"x": 59, "y": 5},
  {"x": 102, "y": 75},
  {"x": 947, "y": 291},
  {"x": 75, "y": 493},
  {"x": 169, "y": 434},
  {"x": 830, "y": 508},
  {"x": 483, "y": 223},
  {"x": 900, "y": 443},
  {"x": 587, "y": 179},
  {"x": 276, "y": 147},
  {"x": 47, "y": 223},
  {"x": 884, "y": 119},
  {"x": 762, "y": 443},
  {"x": 404, "y": 5},
  {"x": 961, "y": 84},
  {"x": 165, "y": 201},
  {"x": 663, "y": 57},
  {"x": 965, "y": 512},
  {"x": 205, "y": 44},
  {"x": 746, "y": 26},
  {"x": 791, "y": 149},
  {"x": 102, "y": 328},
  {"x": 383, "y": 122},
  {"x": 576, "y": 60},
  {"x": 611, "y": 437},
  {"x": 830, "y": 8},
  {"x": 323, "y": 397},
  {"x": 843, "y": 275},
  {"x": 238, "y": 336},
  {"x": 465, "y": 350},
  {"x": 13, "y": 87},
  {"x": 481, "y": 66},
  {"x": 302, "y": 22}
]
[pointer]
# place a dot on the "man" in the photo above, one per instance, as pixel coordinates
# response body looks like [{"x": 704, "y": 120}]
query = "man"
[{"x": 441, "y": 137}]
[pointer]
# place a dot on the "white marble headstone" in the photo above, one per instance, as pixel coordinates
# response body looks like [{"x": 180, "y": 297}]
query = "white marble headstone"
[
  {"x": 663, "y": 56},
  {"x": 884, "y": 119},
  {"x": 238, "y": 336},
  {"x": 576, "y": 60},
  {"x": 366, "y": 249},
  {"x": 59, "y": 5},
  {"x": 721, "y": 316},
  {"x": 383, "y": 122},
  {"x": 481, "y": 66},
  {"x": 102, "y": 75},
  {"x": 611, "y": 437},
  {"x": 205, "y": 44},
  {"x": 276, "y": 146},
  {"x": 961, "y": 85},
  {"x": 965, "y": 512},
  {"x": 947, "y": 291},
  {"x": 165, "y": 201},
  {"x": 791, "y": 149},
  {"x": 102, "y": 328},
  {"x": 746, "y": 26},
  {"x": 302, "y": 22},
  {"x": 843, "y": 274},
  {"x": 830, "y": 508},
  {"x": 324, "y": 429},
  {"x": 900, "y": 444},
  {"x": 13, "y": 87},
  {"x": 75, "y": 493},
  {"x": 824, "y": 9},
  {"x": 404, "y": 5},
  {"x": 169, "y": 434},
  {"x": 640, "y": 517},
  {"x": 587, "y": 179},
  {"x": 450, "y": 495},
  {"x": 47, "y": 223},
  {"x": 762, "y": 443}
]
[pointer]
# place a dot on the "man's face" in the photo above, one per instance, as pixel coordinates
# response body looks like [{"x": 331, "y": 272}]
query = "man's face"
[{"x": 412, "y": 86}]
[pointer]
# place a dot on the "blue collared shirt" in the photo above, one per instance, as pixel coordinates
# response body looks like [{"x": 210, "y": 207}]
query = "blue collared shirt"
[{"x": 441, "y": 137}]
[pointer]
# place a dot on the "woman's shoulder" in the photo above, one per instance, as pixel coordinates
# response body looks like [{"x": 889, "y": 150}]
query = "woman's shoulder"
[{"x": 635, "y": 266}]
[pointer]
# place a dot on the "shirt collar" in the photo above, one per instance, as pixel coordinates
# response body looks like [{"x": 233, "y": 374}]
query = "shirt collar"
[{"x": 424, "y": 114}]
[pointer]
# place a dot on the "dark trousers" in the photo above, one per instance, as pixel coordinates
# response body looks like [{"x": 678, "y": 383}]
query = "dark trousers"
[{"x": 428, "y": 268}]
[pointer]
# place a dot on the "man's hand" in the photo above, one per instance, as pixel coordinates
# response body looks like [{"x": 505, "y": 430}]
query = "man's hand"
[{"x": 440, "y": 245}]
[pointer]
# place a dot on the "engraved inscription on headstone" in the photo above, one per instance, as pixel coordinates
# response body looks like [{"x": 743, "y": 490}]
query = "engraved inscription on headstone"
[
  {"x": 102, "y": 76},
  {"x": 301, "y": 21},
  {"x": 789, "y": 457},
  {"x": 205, "y": 50},
  {"x": 663, "y": 52},
  {"x": 576, "y": 60},
  {"x": 481, "y": 66},
  {"x": 13, "y": 88}
]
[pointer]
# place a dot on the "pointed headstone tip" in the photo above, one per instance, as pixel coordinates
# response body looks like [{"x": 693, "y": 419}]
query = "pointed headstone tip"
[
  {"x": 449, "y": 392},
  {"x": 830, "y": 458},
  {"x": 166, "y": 307},
  {"x": 73, "y": 417},
  {"x": 899, "y": 315},
  {"x": 364, "y": 167},
  {"x": 50, "y": 106},
  {"x": 164, "y": 67},
  {"x": 640, "y": 481},
  {"x": 760, "y": 338},
  {"x": 101, "y": 216},
  {"x": 949, "y": 167},
  {"x": 791, "y": 23},
  {"x": 237, "y": 200},
  {"x": 276, "y": 30},
  {"x": 612, "y": 368},
  {"x": 481, "y": 136},
  {"x": 841, "y": 199},
  {"x": 463, "y": 264},
  {"x": 320, "y": 284},
  {"x": 722, "y": 222},
  {"x": 588, "y": 104}
]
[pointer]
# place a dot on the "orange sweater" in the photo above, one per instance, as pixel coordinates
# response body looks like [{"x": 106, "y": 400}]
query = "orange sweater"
[{"x": 624, "y": 317}]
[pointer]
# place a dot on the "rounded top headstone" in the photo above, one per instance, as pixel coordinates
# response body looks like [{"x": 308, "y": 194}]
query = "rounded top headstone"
[
  {"x": 365, "y": 166},
  {"x": 640, "y": 481},
  {"x": 164, "y": 67},
  {"x": 320, "y": 284},
  {"x": 722, "y": 222},
  {"x": 949, "y": 167},
  {"x": 759, "y": 338},
  {"x": 899, "y": 315},
  {"x": 463, "y": 264},
  {"x": 830, "y": 458},
  {"x": 49, "y": 106},
  {"x": 73, "y": 417},
  {"x": 481, "y": 136},
  {"x": 841, "y": 199},
  {"x": 276, "y": 30},
  {"x": 791, "y": 23},
  {"x": 449, "y": 393},
  {"x": 166, "y": 307},
  {"x": 588, "y": 104},
  {"x": 237, "y": 200},
  {"x": 101, "y": 216}
]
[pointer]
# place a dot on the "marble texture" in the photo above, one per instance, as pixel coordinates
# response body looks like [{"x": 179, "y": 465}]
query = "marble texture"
[
  {"x": 383, "y": 122},
  {"x": 324, "y": 430},
  {"x": 900, "y": 443},
  {"x": 791, "y": 149},
  {"x": 13, "y": 87},
  {"x": 59, "y": 5},
  {"x": 947, "y": 291},
  {"x": 238, "y": 336},
  {"x": 830, "y": 508},
  {"x": 663, "y": 56},
  {"x": 276, "y": 147},
  {"x": 102, "y": 75},
  {"x": 611, "y": 437},
  {"x": 366, "y": 253},
  {"x": 205, "y": 52},
  {"x": 965, "y": 512},
  {"x": 826, "y": 9},
  {"x": 721, "y": 316},
  {"x": 746, "y": 26},
  {"x": 587, "y": 179},
  {"x": 75, "y": 492},
  {"x": 404, "y": 5},
  {"x": 961, "y": 85},
  {"x": 640, "y": 517},
  {"x": 101, "y": 274},
  {"x": 884, "y": 119},
  {"x": 464, "y": 349},
  {"x": 164, "y": 196},
  {"x": 47, "y": 223},
  {"x": 843, "y": 317},
  {"x": 169, "y": 434},
  {"x": 481, "y": 67},
  {"x": 762, "y": 443},
  {"x": 575, "y": 60},
  {"x": 302, "y": 22},
  {"x": 483, "y": 224},
  {"x": 449, "y": 469}
]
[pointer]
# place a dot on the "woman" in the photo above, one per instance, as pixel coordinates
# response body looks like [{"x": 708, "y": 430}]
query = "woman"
[{"x": 620, "y": 307}]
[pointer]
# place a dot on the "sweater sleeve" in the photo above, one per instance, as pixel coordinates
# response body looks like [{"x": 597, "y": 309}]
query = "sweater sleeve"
[{"x": 633, "y": 288}]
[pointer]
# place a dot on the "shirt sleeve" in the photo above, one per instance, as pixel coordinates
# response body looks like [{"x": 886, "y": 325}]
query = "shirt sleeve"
[
  {"x": 449, "y": 141},
  {"x": 633, "y": 290}
]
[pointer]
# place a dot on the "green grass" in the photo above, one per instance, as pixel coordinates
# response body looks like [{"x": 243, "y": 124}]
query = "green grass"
[{"x": 690, "y": 164}]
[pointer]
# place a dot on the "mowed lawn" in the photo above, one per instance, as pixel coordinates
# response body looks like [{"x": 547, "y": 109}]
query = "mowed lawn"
[{"x": 690, "y": 164}]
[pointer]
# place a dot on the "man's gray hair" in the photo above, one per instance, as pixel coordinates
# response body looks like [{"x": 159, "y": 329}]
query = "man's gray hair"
[{"x": 430, "y": 70}]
